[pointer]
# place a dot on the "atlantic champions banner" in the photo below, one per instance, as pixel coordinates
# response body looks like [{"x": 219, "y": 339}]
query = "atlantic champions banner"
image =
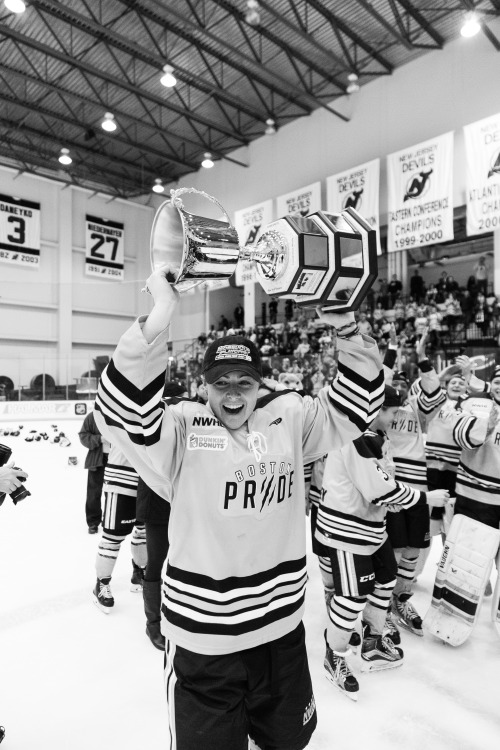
[
  {"x": 300, "y": 202},
  {"x": 356, "y": 188},
  {"x": 420, "y": 194},
  {"x": 482, "y": 154},
  {"x": 250, "y": 223},
  {"x": 19, "y": 232}
]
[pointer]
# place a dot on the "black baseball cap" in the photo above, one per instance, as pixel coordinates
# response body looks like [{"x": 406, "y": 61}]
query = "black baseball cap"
[
  {"x": 231, "y": 353},
  {"x": 392, "y": 397},
  {"x": 400, "y": 375},
  {"x": 174, "y": 388}
]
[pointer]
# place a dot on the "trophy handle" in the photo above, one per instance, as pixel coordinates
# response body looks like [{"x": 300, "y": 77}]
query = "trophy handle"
[{"x": 176, "y": 201}]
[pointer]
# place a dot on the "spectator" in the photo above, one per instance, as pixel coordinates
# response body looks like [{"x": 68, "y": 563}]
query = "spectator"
[
  {"x": 441, "y": 287},
  {"x": 289, "y": 305},
  {"x": 378, "y": 313},
  {"x": 432, "y": 294},
  {"x": 434, "y": 325},
  {"x": 481, "y": 275},
  {"x": 467, "y": 305},
  {"x": 95, "y": 461},
  {"x": 411, "y": 311},
  {"x": 223, "y": 323},
  {"x": 417, "y": 287},
  {"x": 364, "y": 324},
  {"x": 239, "y": 316},
  {"x": 383, "y": 297},
  {"x": 394, "y": 289},
  {"x": 451, "y": 285},
  {"x": 481, "y": 315},
  {"x": 273, "y": 310}
]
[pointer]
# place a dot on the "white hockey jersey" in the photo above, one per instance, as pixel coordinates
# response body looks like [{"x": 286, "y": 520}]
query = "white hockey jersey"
[
  {"x": 406, "y": 432},
  {"x": 358, "y": 487},
  {"x": 236, "y": 569},
  {"x": 478, "y": 476}
]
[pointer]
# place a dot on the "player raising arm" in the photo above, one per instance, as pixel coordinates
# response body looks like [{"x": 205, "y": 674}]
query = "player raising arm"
[{"x": 233, "y": 593}]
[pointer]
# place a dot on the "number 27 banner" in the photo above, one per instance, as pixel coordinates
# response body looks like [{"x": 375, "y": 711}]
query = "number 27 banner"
[
  {"x": 19, "y": 232},
  {"x": 104, "y": 242},
  {"x": 420, "y": 203}
]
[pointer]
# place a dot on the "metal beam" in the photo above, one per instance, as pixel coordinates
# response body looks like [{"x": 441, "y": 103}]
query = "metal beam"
[
  {"x": 422, "y": 21},
  {"x": 119, "y": 82},
  {"x": 342, "y": 26},
  {"x": 138, "y": 52}
]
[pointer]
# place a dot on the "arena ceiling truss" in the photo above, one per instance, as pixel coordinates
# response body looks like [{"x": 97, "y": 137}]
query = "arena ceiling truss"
[{"x": 64, "y": 64}]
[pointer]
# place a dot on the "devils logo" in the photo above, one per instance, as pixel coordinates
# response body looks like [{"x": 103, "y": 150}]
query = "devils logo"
[{"x": 417, "y": 184}]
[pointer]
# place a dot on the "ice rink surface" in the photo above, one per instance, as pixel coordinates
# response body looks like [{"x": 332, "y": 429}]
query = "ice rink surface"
[{"x": 72, "y": 678}]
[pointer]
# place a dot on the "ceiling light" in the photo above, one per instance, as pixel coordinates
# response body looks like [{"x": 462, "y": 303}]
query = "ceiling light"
[
  {"x": 16, "y": 6},
  {"x": 353, "y": 83},
  {"x": 109, "y": 123},
  {"x": 271, "y": 127},
  {"x": 207, "y": 160},
  {"x": 471, "y": 25},
  {"x": 168, "y": 79},
  {"x": 64, "y": 157},
  {"x": 158, "y": 186},
  {"x": 252, "y": 15}
]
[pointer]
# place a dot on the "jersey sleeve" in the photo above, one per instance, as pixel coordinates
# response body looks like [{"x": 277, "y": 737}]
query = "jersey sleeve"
[
  {"x": 362, "y": 461},
  {"x": 429, "y": 391},
  {"x": 470, "y": 432},
  {"x": 346, "y": 407},
  {"x": 130, "y": 414}
]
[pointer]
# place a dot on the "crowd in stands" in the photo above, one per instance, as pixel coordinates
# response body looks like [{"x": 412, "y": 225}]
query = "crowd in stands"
[{"x": 300, "y": 345}]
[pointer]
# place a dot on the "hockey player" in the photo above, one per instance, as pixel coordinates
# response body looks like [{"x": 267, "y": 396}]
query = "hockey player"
[
  {"x": 358, "y": 489},
  {"x": 409, "y": 531},
  {"x": 119, "y": 520},
  {"x": 233, "y": 596}
]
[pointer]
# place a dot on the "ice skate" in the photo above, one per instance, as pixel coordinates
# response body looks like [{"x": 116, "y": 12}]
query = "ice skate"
[
  {"x": 338, "y": 673},
  {"x": 378, "y": 652},
  {"x": 406, "y": 615},
  {"x": 103, "y": 598},
  {"x": 137, "y": 578},
  {"x": 391, "y": 631}
]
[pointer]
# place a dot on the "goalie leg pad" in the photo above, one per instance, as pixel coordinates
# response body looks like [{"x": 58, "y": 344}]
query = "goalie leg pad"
[{"x": 461, "y": 577}]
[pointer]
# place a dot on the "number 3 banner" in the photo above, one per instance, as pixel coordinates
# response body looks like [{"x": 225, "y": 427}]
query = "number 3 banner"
[
  {"x": 104, "y": 248},
  {"x": 19, "y": 232}
]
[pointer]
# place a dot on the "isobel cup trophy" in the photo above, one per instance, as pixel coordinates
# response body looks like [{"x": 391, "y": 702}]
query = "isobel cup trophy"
[{"x": 322, "y": 259}]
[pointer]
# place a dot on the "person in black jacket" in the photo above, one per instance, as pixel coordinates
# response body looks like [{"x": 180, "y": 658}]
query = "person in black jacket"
[
  {"x": 95, "y": 462},
  {"x": 155, "y": 513}
]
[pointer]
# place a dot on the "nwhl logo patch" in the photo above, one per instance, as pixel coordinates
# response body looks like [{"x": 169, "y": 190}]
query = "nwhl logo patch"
[
  {"x": 206, "y": 442},
  {"x": 233, "y": 351}
]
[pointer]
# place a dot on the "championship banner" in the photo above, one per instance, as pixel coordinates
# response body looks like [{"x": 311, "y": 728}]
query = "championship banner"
[
  {"x": 250, "y": 223},
  {"x": 482, "y": 153},
  {"x": 300, "y": 202},
  {"x": 19, "y": 232},
  {"x": 357, "y": 188},
  {"x": 420, "y": 182},
  {"x": 104, "y": 243}
]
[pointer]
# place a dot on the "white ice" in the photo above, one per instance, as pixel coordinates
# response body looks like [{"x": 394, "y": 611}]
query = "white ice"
[{"x": 72, "y": 678}]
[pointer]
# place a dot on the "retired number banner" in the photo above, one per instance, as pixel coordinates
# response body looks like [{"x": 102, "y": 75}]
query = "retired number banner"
[
  {"x": 357, "y": 188},
  {"x": 250, "y": 223},
  {"x": 482, "y": 153},
  {"x": 104, "y": 248},
  {"x": 19, "y": 232},
  {"x": 420, "y": 181},
  {"x": 300, "y": 202}
]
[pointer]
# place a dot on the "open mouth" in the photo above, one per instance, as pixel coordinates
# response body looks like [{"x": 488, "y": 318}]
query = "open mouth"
[{"x": 233, "y": 409}]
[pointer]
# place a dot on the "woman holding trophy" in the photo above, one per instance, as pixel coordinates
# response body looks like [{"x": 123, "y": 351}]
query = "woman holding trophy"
[{"x": 234, "y": 584}]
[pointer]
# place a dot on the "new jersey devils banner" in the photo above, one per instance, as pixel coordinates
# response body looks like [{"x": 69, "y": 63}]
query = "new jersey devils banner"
[
  {"x": 357, "y": 188},
  {"x": 19, "y": 232},
  {"x": 250, "y": 223},
  {"x": 420, "y": 182},
  {"x": 104, "y": 248},
  {"x": 300, "y": 202},
  {"x": 482, "y": 153}
]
